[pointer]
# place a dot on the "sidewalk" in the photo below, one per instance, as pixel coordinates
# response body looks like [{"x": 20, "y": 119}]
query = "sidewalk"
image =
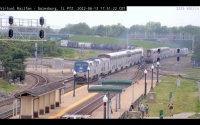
[{"x": 183, "y": 115}]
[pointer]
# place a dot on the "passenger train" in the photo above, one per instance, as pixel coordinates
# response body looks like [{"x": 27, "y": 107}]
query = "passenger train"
[
  {"x": 152, "y": 54},
  {"x": 109, "y": 63},
  {"x": 106, "y": 64}
]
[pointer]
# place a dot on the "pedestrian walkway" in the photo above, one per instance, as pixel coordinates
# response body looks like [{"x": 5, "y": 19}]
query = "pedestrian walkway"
[{"x": 183, "y": 115}]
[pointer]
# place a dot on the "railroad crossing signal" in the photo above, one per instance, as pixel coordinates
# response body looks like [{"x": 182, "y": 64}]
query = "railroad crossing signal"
[
  {"x": 178, "y": 50},
  {"x": 158, "y": 51},
  {"x": 41, "y": 21},
  {"x": 10, "y": 31},
  {"x": 10, "y": 20},
  {"x": 158, "y": 59},
  {"x": 41, "y": 33},
  {"x": 178, "y": 58}
]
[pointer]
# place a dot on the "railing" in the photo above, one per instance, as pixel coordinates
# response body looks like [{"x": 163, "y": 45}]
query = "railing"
[{"x": 136, "y": 102}]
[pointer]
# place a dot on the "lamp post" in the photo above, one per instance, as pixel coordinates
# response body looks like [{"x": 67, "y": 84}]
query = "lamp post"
[
  {"x": 105, "y": 99},
  {"x": 157, "y": 72},
  {"x": 152, "y": 67},
  {"x": 145, "y": 87},
  {"x": 88, "y": 69},
  {"x": 74, "y": 82}
]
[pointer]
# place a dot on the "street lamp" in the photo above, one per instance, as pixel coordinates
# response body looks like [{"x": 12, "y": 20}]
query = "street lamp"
[
  {"x": 74, "y": 82},
  {"x": 152, "y": 67},
  {"x": 88, "y": 75},
  {"x": 157, "y": 72},
  {"x": 145, "y": 89},
  {"x": 105, "y": 99}
]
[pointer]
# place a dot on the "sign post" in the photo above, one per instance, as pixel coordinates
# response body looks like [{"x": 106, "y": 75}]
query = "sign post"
[{"x": 170, "y": 96}]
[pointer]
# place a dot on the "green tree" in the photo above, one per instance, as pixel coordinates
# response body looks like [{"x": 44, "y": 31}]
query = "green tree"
[
  {"x": 13, "y": 58},
  {"x": 196, "y": 55}
]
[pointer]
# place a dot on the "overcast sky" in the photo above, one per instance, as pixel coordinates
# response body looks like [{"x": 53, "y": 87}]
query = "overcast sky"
[{"x": 168, "y": 16}]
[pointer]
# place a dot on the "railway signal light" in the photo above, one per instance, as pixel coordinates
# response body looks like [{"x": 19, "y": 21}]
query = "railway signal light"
[
  {"x": 158, "y": 59},
  {"x": 41, "y": 34},
  {"x": 178, "y": 50},
  {"x": 10, "y": 20},
  {"x": 10, "y": 33},
  {"x": 158, "y": 51},
  {"x": 178, "y": 58},
  {"x": 41, "y": 21}
]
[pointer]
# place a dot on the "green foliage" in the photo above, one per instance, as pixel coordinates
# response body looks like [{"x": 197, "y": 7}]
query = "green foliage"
[
  {"x": 13, "y": 58},
  {"x": 18, "y": 73},
  {"x": 6, "y": 87},
  {"x": 48, "y": 65},
  {"x": 184, "y": 97},
  {"x": 111, "y": 40},
  {"x": 196, "y": 55},
  {"x": 196, "y": 69}
]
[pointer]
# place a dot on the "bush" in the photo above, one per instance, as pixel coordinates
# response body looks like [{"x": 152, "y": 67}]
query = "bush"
[{"x": 18, "y": 73}]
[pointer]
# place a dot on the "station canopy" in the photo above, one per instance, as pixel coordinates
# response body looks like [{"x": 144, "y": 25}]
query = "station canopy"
[
  {"x": 118, "y": 82},
  {"x": 107, "y": 88}
]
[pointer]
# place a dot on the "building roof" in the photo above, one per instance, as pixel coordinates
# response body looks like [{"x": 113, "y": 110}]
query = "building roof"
[
  {"x": 41, "y": 90},
  {"x": 119, "y": 82},
  {"x": 107, "y": 88}
]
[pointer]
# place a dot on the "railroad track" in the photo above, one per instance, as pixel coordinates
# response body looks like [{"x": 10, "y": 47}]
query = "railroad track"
[
  {"x": 7, "y": 103},
  {"x": 40, "y": 79},
  {"x": 95, "y": 102}
]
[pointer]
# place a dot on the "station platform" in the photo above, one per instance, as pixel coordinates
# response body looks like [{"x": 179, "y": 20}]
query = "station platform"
[
  {"x": 67, "y": 103},
  {"x": 126, "y": 100},
  {"x": 81, "y": 95}
]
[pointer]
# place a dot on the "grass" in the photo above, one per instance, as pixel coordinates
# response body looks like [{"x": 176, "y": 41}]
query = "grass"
[
  {"x": 7, "y": 87},
  {"x": 194, "y": 76},
  {"x": 110, "y": 40},
  {"x": 196, "y": 69},
  {"x": 184, "y": 97},
  {"x": 86, "y": 54},
  {"x": 47, "y": 65},
  {"x": 194, "y": 116}
]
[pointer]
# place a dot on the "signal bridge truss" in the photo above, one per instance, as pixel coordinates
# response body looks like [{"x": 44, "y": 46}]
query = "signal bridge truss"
[{"x": 23, "y": 29}]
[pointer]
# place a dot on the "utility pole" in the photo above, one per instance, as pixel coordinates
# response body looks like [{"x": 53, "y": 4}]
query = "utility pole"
[
  {"x": 193, "y": 43},
  {"x": 127, "y": 39},
  {"x": 36, "y": 56}
]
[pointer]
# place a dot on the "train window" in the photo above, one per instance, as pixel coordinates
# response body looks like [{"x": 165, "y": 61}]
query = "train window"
[
  {"x": 78, "y": 64},
  {"x": 84, "y": 64}
]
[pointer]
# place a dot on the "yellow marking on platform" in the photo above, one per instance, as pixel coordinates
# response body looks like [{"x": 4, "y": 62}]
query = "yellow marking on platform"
[
  {"x": 66, "y": 94},
  {"x": 62, "y": 112},
  {"x": 15, "y": 117}
]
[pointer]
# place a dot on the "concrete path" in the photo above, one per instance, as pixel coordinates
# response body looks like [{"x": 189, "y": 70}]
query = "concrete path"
[{"x": 183, "y": 115}]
